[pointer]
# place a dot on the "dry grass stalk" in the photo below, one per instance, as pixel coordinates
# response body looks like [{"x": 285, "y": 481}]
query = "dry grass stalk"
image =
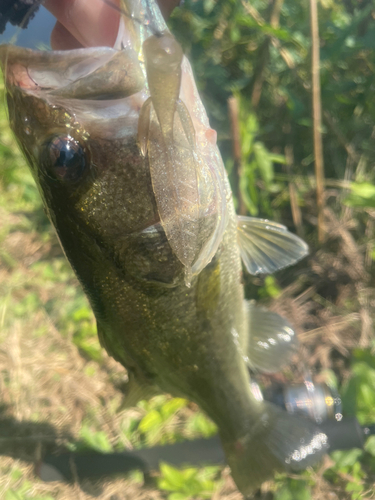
[
  {"x": 317, "y": 118},
  {"x": 236, "y": 145}
]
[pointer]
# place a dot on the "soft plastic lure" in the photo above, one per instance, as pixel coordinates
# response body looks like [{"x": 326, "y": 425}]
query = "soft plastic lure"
[{"x": 171, "y": 148}]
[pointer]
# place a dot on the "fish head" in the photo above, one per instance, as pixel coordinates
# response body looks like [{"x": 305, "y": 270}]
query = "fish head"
[
  {"x": 75, "y": 115},
  {"x": 82, "y": 149}
]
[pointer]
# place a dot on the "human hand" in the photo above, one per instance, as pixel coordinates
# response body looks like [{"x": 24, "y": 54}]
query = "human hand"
[{"x": 89, "y": 23}]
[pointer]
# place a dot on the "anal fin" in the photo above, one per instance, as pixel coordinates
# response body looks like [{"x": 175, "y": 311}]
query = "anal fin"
[
  {"x": 272, "y": 340},
  {"x": 267, "y": 246}
]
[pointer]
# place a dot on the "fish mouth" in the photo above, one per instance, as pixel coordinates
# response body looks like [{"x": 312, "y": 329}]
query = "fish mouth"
[{"x": 97, "y": 73}]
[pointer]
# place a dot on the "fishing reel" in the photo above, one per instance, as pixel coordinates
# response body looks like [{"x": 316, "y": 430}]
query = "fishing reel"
[
  {"x": 318, "y": 402},
  {"x": 321, "y": 404}
]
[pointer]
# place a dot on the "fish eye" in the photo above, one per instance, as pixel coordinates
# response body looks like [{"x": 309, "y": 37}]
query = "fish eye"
[{"x": 64, "y": 159}]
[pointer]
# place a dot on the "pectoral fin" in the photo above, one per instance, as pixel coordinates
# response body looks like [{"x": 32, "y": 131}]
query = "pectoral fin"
[
  {"x": 272, "y": 340},
  {"x": 144, "y": 125},
  {"x": 266, "y": 246},
  {"x": 186, "y": 122}
]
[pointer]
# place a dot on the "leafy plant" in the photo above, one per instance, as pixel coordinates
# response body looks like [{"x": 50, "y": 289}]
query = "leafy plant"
[
  {"x": 362, "y": 195},
  {"x": 293, "y": 489},
  {"x": 155, "y": 426},
  {"x": 188, "y": 484}
]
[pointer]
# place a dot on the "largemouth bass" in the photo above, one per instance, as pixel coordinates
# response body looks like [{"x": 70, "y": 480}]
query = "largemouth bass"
[{"x": 76, "y": 115}]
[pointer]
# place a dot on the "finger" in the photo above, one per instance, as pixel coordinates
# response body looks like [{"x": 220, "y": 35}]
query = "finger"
[
  {"x": 62, "y": 39},
  {"x": 91, "y": 22}
]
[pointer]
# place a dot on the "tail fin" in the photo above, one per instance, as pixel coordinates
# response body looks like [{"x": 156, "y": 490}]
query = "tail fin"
[{"x": 276, "y": 442}]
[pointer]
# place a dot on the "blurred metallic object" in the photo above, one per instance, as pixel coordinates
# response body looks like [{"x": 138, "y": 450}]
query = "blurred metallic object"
[{"x": 318, "y": 402}]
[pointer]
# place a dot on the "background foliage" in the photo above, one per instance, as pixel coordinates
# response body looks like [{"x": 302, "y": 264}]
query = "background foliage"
[{"x": 55, "y": 381}]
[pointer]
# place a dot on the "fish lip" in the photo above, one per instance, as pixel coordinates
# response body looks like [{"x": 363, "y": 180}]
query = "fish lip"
[{"x": 50, "y": 71}]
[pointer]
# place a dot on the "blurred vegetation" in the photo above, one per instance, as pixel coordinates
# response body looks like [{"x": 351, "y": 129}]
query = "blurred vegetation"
[{"x": 259, "y": 53}]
